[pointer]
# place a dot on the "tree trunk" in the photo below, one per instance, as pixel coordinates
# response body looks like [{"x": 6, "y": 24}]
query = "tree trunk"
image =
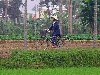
[
  {"x": 5, "y": 19},
  {"x": 25, "y": 28},
  {"x": 61, "y": 12},
  {"x": 70, "y": 17},
  {"x": 95, "y": 24}
]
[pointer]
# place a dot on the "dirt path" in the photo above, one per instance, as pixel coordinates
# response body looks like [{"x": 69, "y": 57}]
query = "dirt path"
[
  {"x": 7, "y": 45},
  {"x": 31, "y": 44}
]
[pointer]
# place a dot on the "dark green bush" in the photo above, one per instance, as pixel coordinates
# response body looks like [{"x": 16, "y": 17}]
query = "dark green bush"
[
  {"x": 33, "y": 37},
  {"x": 52, "y": 59},
  {"x": 98, "y": 36},
  {"x": 17, "y": 37},
  {"x": 80, "y": 36}
]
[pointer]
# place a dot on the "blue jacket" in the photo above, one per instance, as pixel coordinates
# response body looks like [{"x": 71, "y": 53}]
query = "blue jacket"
[{"x": 55, "y": 29}]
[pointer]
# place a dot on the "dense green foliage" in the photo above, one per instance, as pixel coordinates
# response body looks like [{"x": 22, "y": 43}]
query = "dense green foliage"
[
  {"x": 82, "y": 18},
  {"x": 16, "y": 32},
  {"x": 12, "y": 10},
  {"x": 52, "y": 58},
  {"x": 87, "y": 15},
  {"x": 82, "y": 36},
  {"x": 54, "y": 71},
  {"x": 9, "y": 28},
  {"x": 34, "y": 37}
]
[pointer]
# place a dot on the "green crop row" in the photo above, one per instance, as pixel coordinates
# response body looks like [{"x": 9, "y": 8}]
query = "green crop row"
[
  {"x": 32, "y": 37},
  {"x": 52, "y": 58},
  {"x": 82, "y": 36},
  {"x": 17, "y": 37}
]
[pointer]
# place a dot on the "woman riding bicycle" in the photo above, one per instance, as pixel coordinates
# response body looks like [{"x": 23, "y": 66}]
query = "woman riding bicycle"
[{"x": 55, "y": 30}]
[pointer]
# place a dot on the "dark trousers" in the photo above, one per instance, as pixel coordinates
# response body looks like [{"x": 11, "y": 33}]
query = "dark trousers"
[{"x": 54, "y": 39}]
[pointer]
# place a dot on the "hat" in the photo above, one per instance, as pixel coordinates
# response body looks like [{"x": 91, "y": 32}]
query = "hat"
[{"x": 55, "y": 17}]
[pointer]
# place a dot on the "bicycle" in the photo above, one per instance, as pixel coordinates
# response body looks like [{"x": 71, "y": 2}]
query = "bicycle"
[{"x": 59, "y": 40}]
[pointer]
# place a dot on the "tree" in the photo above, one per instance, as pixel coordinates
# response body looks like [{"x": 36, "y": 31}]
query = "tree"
[
  {"x": 61, "y": 14},
  {"x": 95, "y": 23},
  {"x": 87, "y": 14},
  {"x": 2, "y": 6},
  {"x": 75, "y": 18},
  {"x": 87, "y": 18},
  {"x": 46, "y": 3},
  {"x": 13, "y": 9}
]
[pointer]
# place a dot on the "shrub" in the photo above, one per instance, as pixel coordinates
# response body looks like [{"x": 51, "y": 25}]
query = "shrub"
[
  {"x": 52, "y": 59},
  {"x": 33, "y": 37},
  {"x": 80, "y": 36}
]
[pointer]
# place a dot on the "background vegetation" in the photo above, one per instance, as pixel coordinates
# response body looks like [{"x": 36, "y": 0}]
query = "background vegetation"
[{"x": 83, "y": 15}]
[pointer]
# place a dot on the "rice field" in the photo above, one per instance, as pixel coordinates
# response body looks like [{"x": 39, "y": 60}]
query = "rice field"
[{"x": 54, "y": 71}]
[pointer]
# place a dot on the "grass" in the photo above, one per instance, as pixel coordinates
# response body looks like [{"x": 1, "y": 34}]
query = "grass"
[{"x": 54, "y": 71}]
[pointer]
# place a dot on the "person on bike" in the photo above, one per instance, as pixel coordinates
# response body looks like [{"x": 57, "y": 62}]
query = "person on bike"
[{"x": 55, "y": 30}]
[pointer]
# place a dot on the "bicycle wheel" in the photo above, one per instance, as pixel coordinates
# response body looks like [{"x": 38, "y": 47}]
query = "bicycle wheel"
[{"x": 59, "y": 43}]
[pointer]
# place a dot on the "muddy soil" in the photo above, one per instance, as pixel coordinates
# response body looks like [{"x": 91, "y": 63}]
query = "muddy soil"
[
  {"x": 7, "y": 45},
  {"x": 38, "y": 44}
]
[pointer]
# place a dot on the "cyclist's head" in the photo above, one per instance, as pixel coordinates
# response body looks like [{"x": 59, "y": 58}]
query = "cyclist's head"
[{"x": 54, "y": 18}]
